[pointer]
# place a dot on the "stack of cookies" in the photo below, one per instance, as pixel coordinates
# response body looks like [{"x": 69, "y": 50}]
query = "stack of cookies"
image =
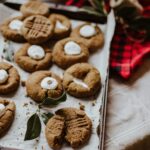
[{"x": 38, "y": 30}]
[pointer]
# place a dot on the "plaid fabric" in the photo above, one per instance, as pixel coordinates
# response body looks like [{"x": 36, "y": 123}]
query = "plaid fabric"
[
  {"x": 127, "y": 54},
  {"x": 77, "y": 3}
]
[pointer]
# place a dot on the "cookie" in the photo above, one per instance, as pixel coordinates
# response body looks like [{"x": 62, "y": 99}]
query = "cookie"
[
  {"x": 7, "y": 112},
  {"x": 91, "y": 34},
  {"x": 71, "y": 125},
  {"x": 82, "y": 80},
  {"x": 11, "y": 29},
  {"x": 55, "y": 131},
  {"x": 9, "y": 78},
  {"x": 34, "y": 8},
  {"x": 37, "y": 29},
  {"x": 33, "y": 57},
  {"x": 46, "y": 84},
  {"x": 69, "y": 51},
  {"x": 62, "y": 26}
]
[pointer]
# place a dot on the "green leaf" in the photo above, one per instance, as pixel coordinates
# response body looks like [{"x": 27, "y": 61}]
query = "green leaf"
[
  {"x": 91, "y": 10},
  {"x": 48, "y": 101},
  {"x": 46, "y": 117},
  {"x": 33, "y": 127},
  {"x": 99, "y": 5},
  {"x": 8, "y": 51}
]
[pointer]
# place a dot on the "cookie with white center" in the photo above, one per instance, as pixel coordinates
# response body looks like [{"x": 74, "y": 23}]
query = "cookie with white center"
[
  {"x": 33, "y": 57},
  {"x": 11, "y": 29},
  {"x": 37, "y": 29},
  {"x": 91, "y": 34},
  {"x": 82, "y": 80},
  {"x": 7, "y": 113},
  {"x": 34, "y": 8},
  {"x": 9, "y": 78},
  {"x": 62, "y": 26},
  {"x": 46, "y": 84},
  {"x": 70, "y": 51},
  {"x": 71, "y": 125}
]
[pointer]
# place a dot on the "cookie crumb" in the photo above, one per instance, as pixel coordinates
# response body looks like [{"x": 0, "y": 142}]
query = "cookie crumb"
[
  {"x": 25, "y": 104},
  {"x": 23, "y": 83},
  {"x": 31, "y": 103},
  {"x": 26, "y": 95},
  {"x": 27, "y": 113},
  {"x": 82, "y": 107},
  {"x": 93, "y": 103}
]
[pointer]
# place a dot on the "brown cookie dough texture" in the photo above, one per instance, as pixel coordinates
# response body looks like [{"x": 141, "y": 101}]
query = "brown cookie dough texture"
[
  {"x": 10, "y": 34},
  {"x": 64, "y": 60},
  {"x": 35, "y": 8},
  {"x": 94, "y": 42},
  {"x": 29, "y": 64},
  {"x": 70, "y": 124},
  {"x": 37, "y": 29},
  {"x": 87, "y": 74},
  {"x": 12, "y": 83},
  {"x": 55, "y": 131},
  {"x": 63, "y": 31},
  {"x": 7, "y": 117},
  {"x": 36, "y": 92}
]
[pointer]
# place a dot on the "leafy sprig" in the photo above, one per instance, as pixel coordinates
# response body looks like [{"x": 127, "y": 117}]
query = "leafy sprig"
[{"x": 34, "y": 123}]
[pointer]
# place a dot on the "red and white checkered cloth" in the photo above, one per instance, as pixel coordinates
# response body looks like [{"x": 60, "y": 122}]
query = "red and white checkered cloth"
[{"x": 127, "y": 54}]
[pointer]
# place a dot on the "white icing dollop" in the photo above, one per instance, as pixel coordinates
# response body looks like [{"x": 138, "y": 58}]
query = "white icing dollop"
[
  {"x": 15, "y": 24},
  {"x": 80, "y": 82},
  {"x": 3, "y": 76},
  {"x": 49, "y": 83},
  {"x": 87, "y": 31},
  {"x": 36, "y": 52},
  {"x": 2, "y": 109},
  {"x": 72, "y": 48},
  {"x": 59, "y": 25}
]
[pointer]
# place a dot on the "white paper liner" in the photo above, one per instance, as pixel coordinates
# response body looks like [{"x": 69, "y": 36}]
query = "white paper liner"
[{"x": 15, "y": 136}]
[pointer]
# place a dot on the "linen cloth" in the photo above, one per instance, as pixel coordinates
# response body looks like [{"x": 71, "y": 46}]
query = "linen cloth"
[{"x": 128, "y": 113}]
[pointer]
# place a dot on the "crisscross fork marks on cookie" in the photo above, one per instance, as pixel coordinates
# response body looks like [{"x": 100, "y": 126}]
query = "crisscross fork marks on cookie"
[
  {"x": 77, "y": 123},
  {"x": 37, "y": 26}
]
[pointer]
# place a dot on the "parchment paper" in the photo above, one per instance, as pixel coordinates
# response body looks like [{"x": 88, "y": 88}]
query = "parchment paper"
[{"x": 24, "y": 109}]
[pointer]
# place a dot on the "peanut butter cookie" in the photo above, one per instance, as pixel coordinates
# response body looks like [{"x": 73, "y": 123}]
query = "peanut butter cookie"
[
  {"x": 91, "y": 34},
  {"x": 7, "y": 112},
  {"x": 69, "y": 51},
  {"x": 9, "y": 78},
  {"x": 82, "y": 80},
  {"x": 35, "y": 8},
  {"x": 45, "y": 83},
  {"x": 11, "y": 29},
  {"x": 33, "y": 57},
  {"x": 72, "y": 125},
  {"x": 37, "y": 29},
  {"x": 55, "y": 131},
  {"x": 62, "y": 26}
]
